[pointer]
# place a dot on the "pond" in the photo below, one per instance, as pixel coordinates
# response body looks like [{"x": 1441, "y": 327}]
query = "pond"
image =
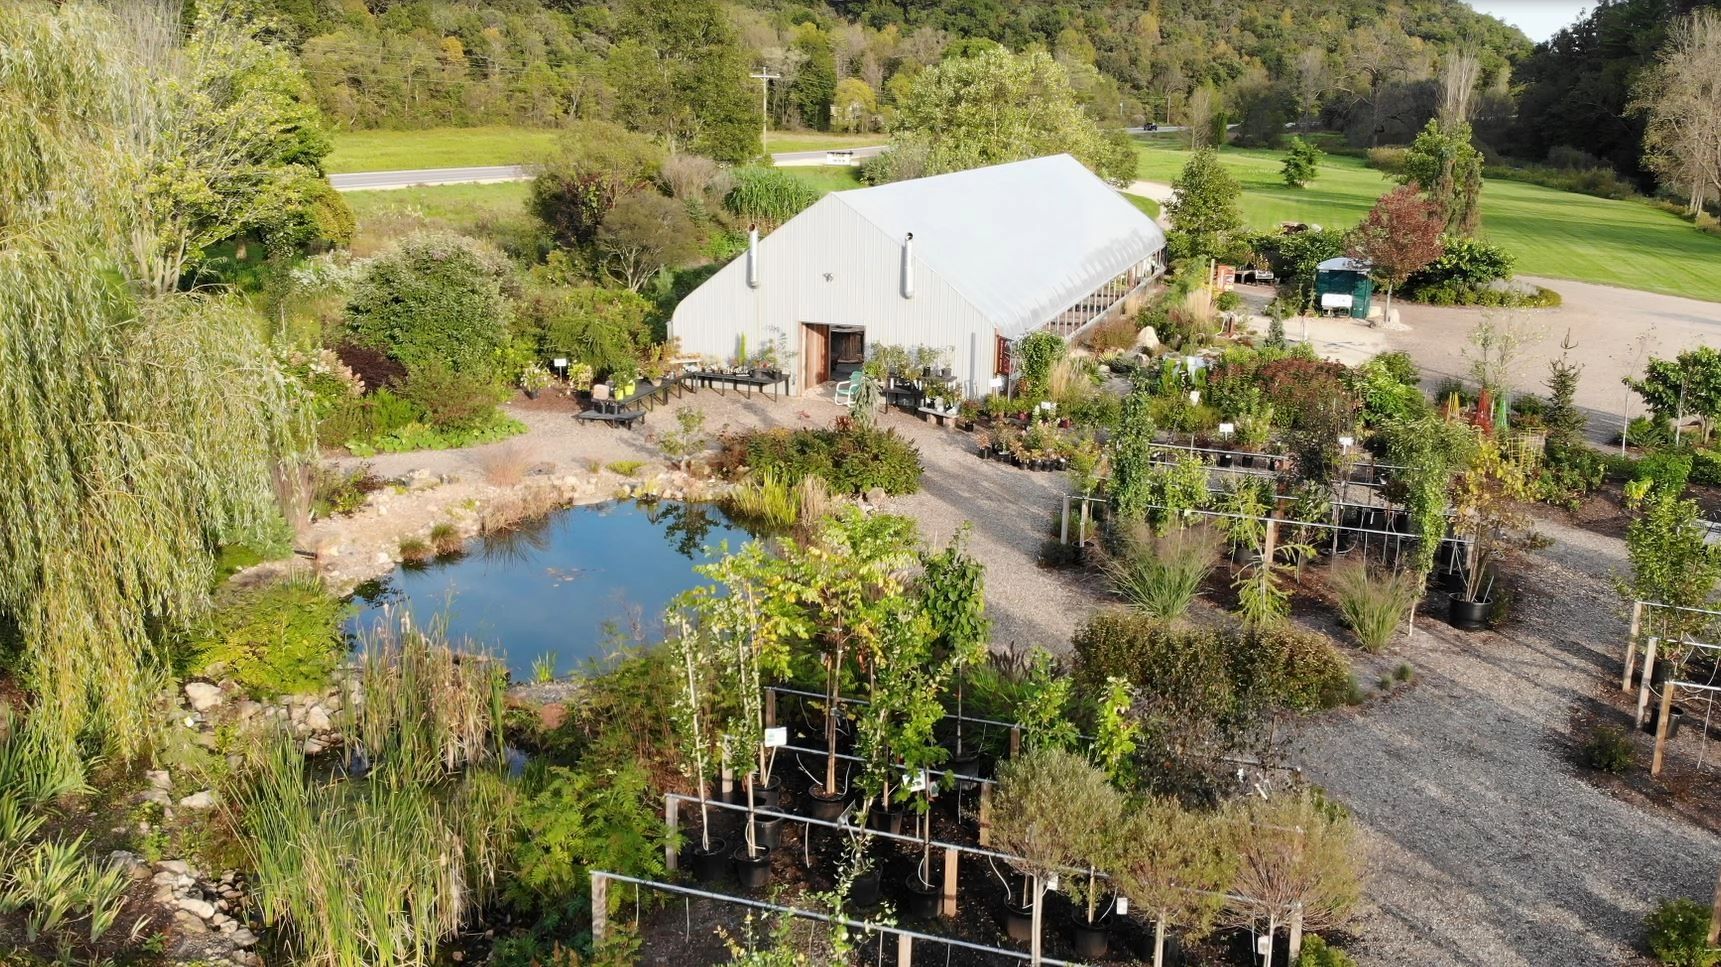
[{"x": 560, "y": 588}]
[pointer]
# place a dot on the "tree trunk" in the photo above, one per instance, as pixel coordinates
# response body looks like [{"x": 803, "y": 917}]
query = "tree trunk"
[
  {"x": 1159, "y": 941},
  {"x": 1034, "y": 928}
]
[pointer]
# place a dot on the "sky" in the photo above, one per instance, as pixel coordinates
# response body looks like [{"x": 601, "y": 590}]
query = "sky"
[{"x": 1539, "y": 19}]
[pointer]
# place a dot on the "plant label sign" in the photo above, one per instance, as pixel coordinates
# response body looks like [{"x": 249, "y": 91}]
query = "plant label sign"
[
  {"x": 916, "y": 782},
  {"x": 1122, "y": 905},
  {"x": 777, "y": 738}
]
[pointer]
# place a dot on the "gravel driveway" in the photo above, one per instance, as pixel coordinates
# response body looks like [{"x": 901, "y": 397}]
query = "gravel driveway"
[{"x": 1486, "y": 846}]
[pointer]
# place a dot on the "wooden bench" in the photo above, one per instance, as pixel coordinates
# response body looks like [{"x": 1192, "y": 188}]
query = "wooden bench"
[
  {"x": 625, "y": 418},
  {"x": 939, "y": 415}
]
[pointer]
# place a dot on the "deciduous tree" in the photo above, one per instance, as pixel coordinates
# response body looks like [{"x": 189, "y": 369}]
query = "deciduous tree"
[
  {"x": 644, "y": 234},
  {"x": 598, "y": 163},
  {"x": 1681, "y": 97},
  {"x": 995, "y": 107},
  {"x": 1203, "y": 209},
  {"x": 1398, "y": 236}
]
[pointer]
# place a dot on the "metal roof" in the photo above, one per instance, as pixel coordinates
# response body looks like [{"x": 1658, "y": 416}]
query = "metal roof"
[
  {"x": 1344, "y": 263},
  {"x": 1021, "y": 241}
]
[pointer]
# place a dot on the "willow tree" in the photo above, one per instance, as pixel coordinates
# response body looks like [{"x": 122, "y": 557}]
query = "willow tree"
[{"x": 143, "y": 426}]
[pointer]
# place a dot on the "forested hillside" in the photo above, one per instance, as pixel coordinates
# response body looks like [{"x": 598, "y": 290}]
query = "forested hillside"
[
  {"x": 1368, "y": 66},
  {"x": 1577, "y": 88}
]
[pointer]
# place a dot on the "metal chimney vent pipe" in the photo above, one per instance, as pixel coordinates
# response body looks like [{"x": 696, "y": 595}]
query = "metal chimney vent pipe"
[
  {"x": 753, "y": 256},
  {"x": 908, "y": 266}
]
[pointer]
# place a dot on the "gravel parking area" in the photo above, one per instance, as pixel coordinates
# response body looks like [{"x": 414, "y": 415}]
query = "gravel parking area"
[{"x": 1486, "y": 845}]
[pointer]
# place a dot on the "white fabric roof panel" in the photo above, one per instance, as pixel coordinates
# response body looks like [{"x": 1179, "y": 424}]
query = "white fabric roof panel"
[{"x": 1021, "y": 241}]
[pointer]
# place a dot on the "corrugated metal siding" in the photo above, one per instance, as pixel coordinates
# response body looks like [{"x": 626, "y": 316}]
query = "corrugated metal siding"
[{"x": 830, "y": 266}]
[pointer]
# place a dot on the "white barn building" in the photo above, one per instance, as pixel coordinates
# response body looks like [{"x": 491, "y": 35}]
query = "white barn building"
[{"x": 968, "y": 263}]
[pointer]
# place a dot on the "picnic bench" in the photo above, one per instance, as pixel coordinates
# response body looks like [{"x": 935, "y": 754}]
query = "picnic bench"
[
  {"x": 622, "y": 418},
  {"x": 712, "y": 379}
]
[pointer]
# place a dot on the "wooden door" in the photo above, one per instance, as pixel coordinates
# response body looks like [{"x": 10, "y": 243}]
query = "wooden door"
[{"x": 815, "y": 355}]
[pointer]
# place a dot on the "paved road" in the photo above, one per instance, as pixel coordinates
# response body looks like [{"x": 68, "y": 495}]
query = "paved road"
[
  {"x": 491, "y": 174},
  {"x": 370, "y": 180}
]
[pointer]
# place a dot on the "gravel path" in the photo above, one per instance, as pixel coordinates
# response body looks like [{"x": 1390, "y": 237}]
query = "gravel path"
[{"x": 1485, "y": 845}]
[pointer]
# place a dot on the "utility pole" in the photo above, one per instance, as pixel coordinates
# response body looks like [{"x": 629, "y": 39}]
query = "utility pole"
[{"x": 765, "y": 77}]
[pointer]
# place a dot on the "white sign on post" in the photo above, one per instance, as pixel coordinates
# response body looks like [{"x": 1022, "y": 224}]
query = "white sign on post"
[
  {"x": 560, "y": 362},
  {"x": 777, "y": 738}
]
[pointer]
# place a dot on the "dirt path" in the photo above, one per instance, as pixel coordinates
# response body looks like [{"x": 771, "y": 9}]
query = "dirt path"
[{"x": 1486, "y": 845}]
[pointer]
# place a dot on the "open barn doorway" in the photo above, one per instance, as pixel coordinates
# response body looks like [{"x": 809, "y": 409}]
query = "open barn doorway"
[{"x": 830, "y": 353}]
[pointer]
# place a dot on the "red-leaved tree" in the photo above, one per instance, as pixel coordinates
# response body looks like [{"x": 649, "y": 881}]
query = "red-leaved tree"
[{"x": 1400, "y": 236}]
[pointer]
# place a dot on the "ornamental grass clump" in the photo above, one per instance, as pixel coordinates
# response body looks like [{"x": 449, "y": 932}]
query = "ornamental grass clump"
[
  {"x": 1374, "y": 605},
  {"x": 382, "y": 862},
  {"x": 1160, "y": 574}
]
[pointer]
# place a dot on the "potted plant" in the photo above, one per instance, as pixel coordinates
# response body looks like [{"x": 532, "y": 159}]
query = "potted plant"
[
  {"x": 692, "y": 715},
  {"x": 624, "y": 379},
  {"x": 1174, "y": 865},
  {"x": 1050, "y": 808},
  {"x": 580, "y": 377},
  {"x": 534, "y": 379},
  {"x": 1485, "y": 496}
]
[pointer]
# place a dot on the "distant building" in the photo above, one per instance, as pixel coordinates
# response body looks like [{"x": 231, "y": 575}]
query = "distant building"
[{"x": 967, "y": 263}]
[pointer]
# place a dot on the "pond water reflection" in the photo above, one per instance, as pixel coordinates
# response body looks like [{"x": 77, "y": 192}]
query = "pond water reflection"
[{"x": 559, "y": 587}]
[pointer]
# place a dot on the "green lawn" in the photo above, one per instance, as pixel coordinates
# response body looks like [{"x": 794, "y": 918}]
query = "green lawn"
[
  {"x": 784, "y": 141},
  {"x": 1553, "y": 233},
  {"x": 826, "y": 179},
  {"x": 495, "y": 212},
  {"x": 438, "y": 148},
  {"x": 1148, "y": 206}
]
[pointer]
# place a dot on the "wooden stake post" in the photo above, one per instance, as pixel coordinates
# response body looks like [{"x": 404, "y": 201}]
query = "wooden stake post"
[
  {"x": 1648, "y": 673},
  {"x": 1715, "y": 918},
  {"x": 600, "y": 909},
  {"x": 1631, "y": 645},
  {"x": 1661, "y": 723},
  {"x": 671, "y": 822}
]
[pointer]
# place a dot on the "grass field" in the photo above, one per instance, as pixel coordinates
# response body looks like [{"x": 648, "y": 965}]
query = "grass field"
[
  {"x": 502, "y": 145},
  {"x": 781, "y": 142},
  {"x": 827, "y": 178},
  {"x": 1553, "y": 233},
  {"x": 495, "y": 212},
  {"x": 438, "y": 148}
]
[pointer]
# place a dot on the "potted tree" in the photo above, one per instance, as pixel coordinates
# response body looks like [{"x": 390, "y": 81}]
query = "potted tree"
[
  {"x": 840, "y": 594},
  {"x": 1095, "y": 842},
  {"x": 1295, "y": 853},
  {"x": 692, "y": 715},
  {"x": 1485, "y": 496},
  {"x": 1174, "y": 866},
  {"x": 1043, "y": 814},
  {"x": 953, "y": 596}
]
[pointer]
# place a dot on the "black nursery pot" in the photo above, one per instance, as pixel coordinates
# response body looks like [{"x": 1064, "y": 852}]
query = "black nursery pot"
[
  {"x": 769, "y": 795},
  {"x": 1675, "y": 716},
  {"x": 863, "y": 891},
  {"x": 753, "y": 871},
  {"x": 885, "y": 820},
  {"x": 827, "y": 808},
  {"x": 767, "y": 831},
  {"x": 922, "y": 899},
  {"x": 1019, "y": 923},
  {"x": 1467, "y": 615},
  {"x": 709, "y": 867},
  {"x": 1091, "y": 940}
]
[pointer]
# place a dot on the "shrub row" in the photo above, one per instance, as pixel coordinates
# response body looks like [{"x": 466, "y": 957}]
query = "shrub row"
[{"x": 851, "y": 460}]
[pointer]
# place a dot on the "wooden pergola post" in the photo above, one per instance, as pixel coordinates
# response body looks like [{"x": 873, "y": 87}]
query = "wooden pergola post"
[
  {"x": 947, "y": 906},
  {"x": 1631, "y": 645},
  {"x": 904, "y": 950}
]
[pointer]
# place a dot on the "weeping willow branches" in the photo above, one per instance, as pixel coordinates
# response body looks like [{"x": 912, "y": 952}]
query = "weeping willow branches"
[{"x": 142, "y": 426}]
